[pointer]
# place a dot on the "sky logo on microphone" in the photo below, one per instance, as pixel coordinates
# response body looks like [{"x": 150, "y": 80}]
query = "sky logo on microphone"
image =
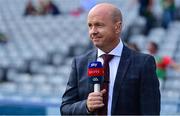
[{"x": 93, "y": 65}]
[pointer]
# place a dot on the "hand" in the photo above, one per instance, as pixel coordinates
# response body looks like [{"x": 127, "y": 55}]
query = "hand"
[{"x": 95, "y": 100}]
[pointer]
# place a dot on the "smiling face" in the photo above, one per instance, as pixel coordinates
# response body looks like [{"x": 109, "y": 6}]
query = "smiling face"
[{"x": 104, "y": 31}]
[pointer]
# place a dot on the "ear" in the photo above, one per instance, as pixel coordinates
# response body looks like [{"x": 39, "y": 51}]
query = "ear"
[{"x": 118, "y": 26}]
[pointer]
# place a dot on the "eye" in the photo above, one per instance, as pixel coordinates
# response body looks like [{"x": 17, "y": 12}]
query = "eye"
[
  {"x": 90, "y": 26},
  {"x": 100, "y": 25}
]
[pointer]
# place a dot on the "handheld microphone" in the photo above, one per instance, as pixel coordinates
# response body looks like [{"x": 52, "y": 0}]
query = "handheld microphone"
[{"x": 96, "y": 74}]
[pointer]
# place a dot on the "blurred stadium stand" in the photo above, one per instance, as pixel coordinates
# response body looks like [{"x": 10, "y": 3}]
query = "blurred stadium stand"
[
  {"x": 169, "y": 42},
  {"x": 35, "y": 62}
]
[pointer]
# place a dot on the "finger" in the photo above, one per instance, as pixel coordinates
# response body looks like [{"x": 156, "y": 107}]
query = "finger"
[
  {"x": 97, "y": 106},
  {"x": 95, "y": 94},
  {"x": 95, "y": 103},
  {"x": 94, "y": 107},
  {"x": 95, "y": 98}
]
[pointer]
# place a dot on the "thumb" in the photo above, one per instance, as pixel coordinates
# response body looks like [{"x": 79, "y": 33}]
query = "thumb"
[{"x": 103, "y": 91}]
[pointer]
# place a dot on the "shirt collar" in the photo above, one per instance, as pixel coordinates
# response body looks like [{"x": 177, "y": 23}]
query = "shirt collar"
[{"x": 116, "y": 51}]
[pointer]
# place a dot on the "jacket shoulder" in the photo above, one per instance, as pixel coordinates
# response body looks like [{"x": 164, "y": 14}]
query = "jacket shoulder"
[
  {"x": 141, "y": 57},
  {"x": 87, "y": 55}
]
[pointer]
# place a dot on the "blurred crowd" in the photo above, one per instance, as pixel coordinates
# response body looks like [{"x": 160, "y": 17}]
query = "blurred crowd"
[
  {"x": 85, "y": 5},
  {"x": 146, "y": 10},
  {"x": 43, "y": 7},
  {"x": 169, "y": 13},
  {"x": 162, "y": 62}
]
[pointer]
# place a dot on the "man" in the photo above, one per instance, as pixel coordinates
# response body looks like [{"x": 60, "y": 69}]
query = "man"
[
  {"x": 162, "y": 63},
  {"x": 133, "y": 84},
  {"x": 146, "y": 11}
]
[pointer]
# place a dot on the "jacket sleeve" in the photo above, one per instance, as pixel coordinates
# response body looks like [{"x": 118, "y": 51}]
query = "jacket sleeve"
[
  {"x": 149, "y": 90},
  {"x": 71, "y": 104}
]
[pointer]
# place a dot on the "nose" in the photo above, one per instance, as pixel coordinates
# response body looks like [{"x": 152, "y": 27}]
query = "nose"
[{"x": 93, "y": 31}]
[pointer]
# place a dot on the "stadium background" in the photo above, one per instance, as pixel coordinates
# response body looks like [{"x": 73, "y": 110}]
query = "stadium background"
[{"x": 36, "y": 58}]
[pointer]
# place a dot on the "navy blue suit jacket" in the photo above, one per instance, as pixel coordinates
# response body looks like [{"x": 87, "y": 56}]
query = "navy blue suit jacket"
[{"x": 136, "y": 87}]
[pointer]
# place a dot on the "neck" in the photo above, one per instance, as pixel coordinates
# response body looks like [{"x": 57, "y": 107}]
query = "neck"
[{"x": 110, "y": 48}]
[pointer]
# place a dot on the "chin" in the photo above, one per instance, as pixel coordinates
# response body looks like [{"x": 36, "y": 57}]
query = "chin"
[{"x": 98, "y": 46}]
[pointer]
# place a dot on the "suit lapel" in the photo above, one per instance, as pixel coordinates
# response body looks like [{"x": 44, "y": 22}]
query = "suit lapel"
[
  {"x": 92, "y": 58},
  {"x": 122, "y": 69}
]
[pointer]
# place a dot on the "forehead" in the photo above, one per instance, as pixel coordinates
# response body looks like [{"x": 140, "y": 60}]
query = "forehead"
[{"x": 99, "y": 16}]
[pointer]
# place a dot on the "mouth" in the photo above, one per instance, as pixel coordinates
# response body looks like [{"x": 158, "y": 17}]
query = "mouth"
[{"x": 95, "y": 38}]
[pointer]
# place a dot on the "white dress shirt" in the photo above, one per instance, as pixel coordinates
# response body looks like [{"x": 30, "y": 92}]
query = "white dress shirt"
[{"x": 113, "y": 64}]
